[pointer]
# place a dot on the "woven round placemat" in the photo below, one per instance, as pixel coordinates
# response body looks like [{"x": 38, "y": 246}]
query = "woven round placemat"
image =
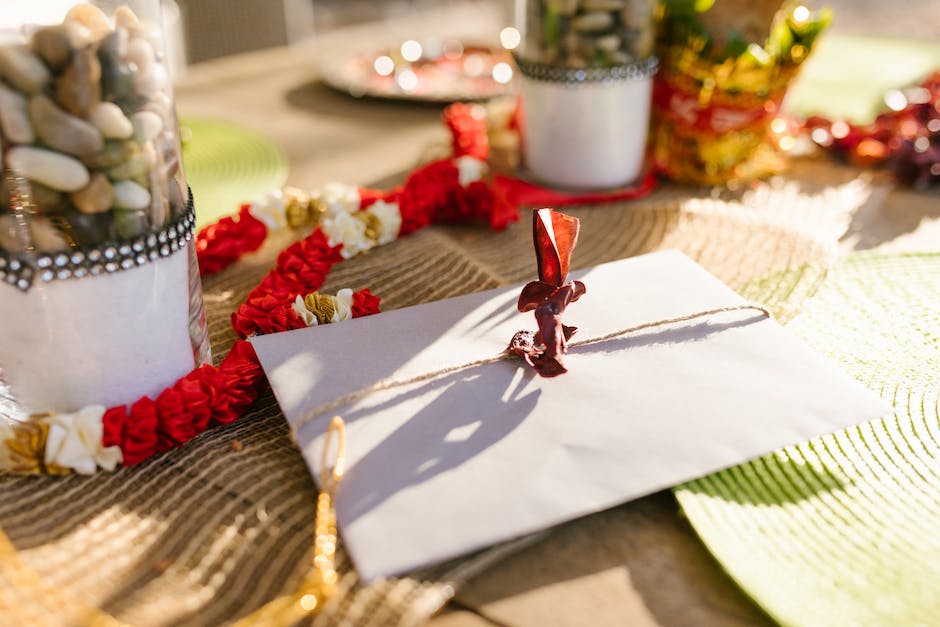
[
  {"x": 209, "y": 532},
  {"x": 227, "y": 164},
  {"x": 843, "y": 530}
]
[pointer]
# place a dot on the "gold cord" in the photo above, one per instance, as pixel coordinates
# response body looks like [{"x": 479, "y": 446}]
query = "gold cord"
[
  {"x": 21, "y": 587},
  {"x": 390, "y": 384},
  {"x": 320, "y": 582}
]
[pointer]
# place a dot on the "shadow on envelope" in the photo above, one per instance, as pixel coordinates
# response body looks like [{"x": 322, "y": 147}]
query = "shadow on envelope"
[{"x": 457, "y": 436}]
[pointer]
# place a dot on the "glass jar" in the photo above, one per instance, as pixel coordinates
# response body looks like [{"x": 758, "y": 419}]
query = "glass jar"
[
  {"x": 586, "y": 71},
  {"x": 100, "y": 301}
]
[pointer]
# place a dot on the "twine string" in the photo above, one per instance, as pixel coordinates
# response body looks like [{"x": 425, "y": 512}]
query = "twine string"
[{"x": 392, "y": 383}]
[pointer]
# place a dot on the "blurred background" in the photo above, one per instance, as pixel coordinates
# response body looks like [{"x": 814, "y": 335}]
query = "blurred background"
[{"x": 215, "y": 28}]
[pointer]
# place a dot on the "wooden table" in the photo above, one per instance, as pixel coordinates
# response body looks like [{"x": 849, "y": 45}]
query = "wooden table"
[{"x": 657, "y": 572}]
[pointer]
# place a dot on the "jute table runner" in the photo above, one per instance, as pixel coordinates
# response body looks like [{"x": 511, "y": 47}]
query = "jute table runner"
[{"x": 208, "y": 533}]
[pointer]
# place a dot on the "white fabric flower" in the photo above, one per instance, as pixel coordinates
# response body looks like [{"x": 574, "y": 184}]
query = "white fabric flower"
[
  {"x": 350, "y": 232},
  {"x": 300, "y": 307},
  {"x": 74, "y": 441},
  {"x": 340, "y": 198},
  {"x": 343, "y": 305},
  {"x": 470, "y": 169},
  {"x": 270, "y": 209},
  {"x": 389, "y": 216}
]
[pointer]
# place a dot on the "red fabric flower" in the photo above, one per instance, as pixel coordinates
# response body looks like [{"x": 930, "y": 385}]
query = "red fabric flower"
[
  {"x": 219, "y": 245},
  {"x": 467, "y": 124},
  {"x": 265, "y": 314},
  {"x": 113, "y": 422},
  {"x": 139, "y": 439},
  {"x": 428, "y": 190},
  {"x": 175, "y": 422},
  {"x": 365, "y": 303}
]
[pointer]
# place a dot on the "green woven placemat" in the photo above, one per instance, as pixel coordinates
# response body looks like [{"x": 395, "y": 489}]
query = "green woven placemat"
[
  {"x": 227, "y": 165},
  {"x": 845, "y": 529}
]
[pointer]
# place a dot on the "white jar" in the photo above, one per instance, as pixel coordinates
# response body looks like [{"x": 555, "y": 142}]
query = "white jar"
[{"x": 586, "y": 129}]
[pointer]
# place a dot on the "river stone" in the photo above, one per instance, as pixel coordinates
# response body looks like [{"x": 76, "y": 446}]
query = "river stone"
[
  {"x": 96, "y": 197},
  {"x": 62, "y": 131},
  {"x": 608, "y": 43},
  {"x": 638, "y": 14},
  {"x": 14, "y": 118},
  {"x": 152, "y": 81},
  {"x": 147, "y": 125},
  {"x": 141, "y": 54},
  {"x": 643, "y": 43},
  {"x": 592, "y": 22},
  {"x": 129, "y": 224},
  {"x": 9, "y": 235},
  {"x": 133, "y": 168},
  {"x": 603, "y": 5},
  {"x": 47, "y": 200},
  {"x": 53, "y": 45},
  {"x": 78, "y": 89},
  {"x": 52, "y": 169},
  {"x": 86, "y": 229},
  {"x": 113, "y": 154},
  {"x": 46, "y": 238},
  {"x": 91, "y": 17},
  {"x": 130, "y": 195},
  {"x": 124, "y": 17},
  {"x": 111, "y": 121},
  {"x": 22, "y": 69}
]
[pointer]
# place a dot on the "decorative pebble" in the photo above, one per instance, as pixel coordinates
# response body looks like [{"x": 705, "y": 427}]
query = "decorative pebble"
[
  {"x": 53, "y": 44},
  {"x": 91, "y": 17},
  {"x": 592, "y": 22},
  {"x": 130, "y": 224},
  {"x": 147, "y": 125},
  {"x": 132, "y": 168},
  {"x": 13, "y": 117},
  {"x": 87, "y": 229},
  {"x": 23, "y": 69},
  {"x": 608, "y": 43},
  {"x": 638, "y": 14},
  {"x": 152, "y": 81},
  {"x": 124, "y": 17},
  {"x": 49, "y": 201},
  {"x": 566, "y": 7},
  {"x": 62, "y": 131},
  {"x": 111, "y": 121},
  {"x": 52, "y": 169},
  {"x": 112, "y": 155},
  {"x": 96, "y": 197},
  {"x": 130, "y": 195},
  {"x": 10, "y": 239},
  {"x": 46, "y": 238},
  {"x": 141, "y": 54},
  {"x": 78, "y": 89},
  {"x": 603, "y": 5}
]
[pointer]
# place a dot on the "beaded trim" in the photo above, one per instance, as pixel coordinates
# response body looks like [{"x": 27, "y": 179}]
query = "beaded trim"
[
  {"x": 554, "y": 74},
  {"x": 106, "y": 258}
]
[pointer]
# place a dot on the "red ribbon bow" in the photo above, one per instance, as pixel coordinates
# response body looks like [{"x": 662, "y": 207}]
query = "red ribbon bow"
[{"x": 555, "y": 235}]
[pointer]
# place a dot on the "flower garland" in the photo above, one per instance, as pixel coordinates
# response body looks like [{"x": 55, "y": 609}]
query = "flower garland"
[{"x": 345, "y": 221}]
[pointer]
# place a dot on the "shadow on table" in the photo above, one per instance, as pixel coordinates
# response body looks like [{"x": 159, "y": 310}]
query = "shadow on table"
[
  {"x": 641, "y": 557},
  {"x": 320, "y": 98}
]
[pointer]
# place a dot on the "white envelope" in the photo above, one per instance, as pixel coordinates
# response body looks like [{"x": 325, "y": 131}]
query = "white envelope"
[{"x": 442, "y": 468}]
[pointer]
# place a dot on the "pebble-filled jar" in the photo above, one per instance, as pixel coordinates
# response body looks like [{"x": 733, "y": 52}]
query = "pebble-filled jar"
[
  {"x": 586, "y": 70},
  {"x": 100, "y": 298}
]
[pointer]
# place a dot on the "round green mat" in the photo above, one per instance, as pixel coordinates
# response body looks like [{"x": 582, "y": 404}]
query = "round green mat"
[
  {"x": 845, "y": 529},
  {"x": 227, "y": 165}
]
